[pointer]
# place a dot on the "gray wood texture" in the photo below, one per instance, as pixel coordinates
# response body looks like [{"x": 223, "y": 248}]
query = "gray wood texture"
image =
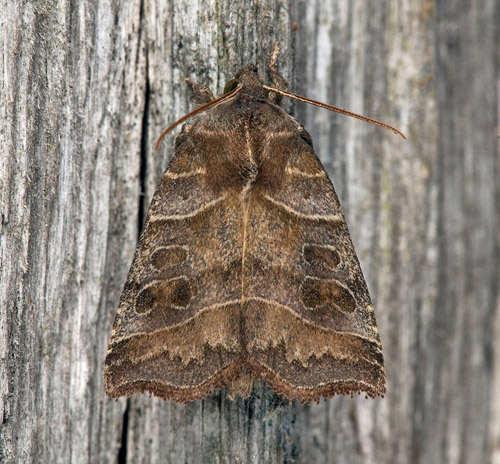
[{"x": 85, "y": 89}]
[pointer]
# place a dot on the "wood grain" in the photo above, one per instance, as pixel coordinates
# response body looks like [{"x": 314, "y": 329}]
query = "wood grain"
[{"x": 87, "y": 87}]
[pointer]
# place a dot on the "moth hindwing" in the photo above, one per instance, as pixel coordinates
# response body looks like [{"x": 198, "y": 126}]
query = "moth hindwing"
[{"x": 245, "y": 268}]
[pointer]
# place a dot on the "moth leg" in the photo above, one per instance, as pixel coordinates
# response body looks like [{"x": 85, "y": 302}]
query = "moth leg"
[
  {"x": 201, "y": 93},
  {"x": 277, "y": 80}
]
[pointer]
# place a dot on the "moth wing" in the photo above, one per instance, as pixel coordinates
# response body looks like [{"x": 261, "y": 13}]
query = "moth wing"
[
  {"x": 171, "y": 335},
  {"x": 310, "y": 323}
]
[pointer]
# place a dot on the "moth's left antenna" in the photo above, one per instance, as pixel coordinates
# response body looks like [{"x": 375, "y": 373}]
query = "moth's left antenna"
[{"x": 196, "y": 111}]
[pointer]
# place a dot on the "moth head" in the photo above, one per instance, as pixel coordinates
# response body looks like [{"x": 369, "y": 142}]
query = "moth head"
[
  {"x": 247, "y": 76},
  {"x": 249, "y": 79}
]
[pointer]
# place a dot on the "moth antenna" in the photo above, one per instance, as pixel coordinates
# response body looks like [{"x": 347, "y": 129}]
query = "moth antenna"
[
  {"x": 196, "y": 111},
  {"x": 335, "y": 108}
]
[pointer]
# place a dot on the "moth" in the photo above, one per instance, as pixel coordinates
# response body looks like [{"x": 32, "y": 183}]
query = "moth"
[{"x": 245, "y": 268}]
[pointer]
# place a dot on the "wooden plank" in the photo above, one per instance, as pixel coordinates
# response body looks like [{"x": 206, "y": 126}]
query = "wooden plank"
[
  {"x": 72, "y": 102},
  {"x": 86, "y": 89}
]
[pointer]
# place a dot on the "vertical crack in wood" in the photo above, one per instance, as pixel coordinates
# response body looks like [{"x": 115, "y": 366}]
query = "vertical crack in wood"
[
  {"x": 122, "y": 453},
  {"x": 144, "y": 157}
]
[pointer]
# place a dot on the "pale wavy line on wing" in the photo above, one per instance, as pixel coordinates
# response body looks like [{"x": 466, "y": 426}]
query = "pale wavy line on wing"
[
  {"x": 183, "y": 174},
  {"x": 206, "y": 309},
  {"x": 262, "y": 366},
  {"x": 178, "y": 217},
  {"x": 316, "y": 387},
  {"x": 311, "y": 175},
  {"x": 199, "y": 312},
  {"x": 312, "y": 324},
  {"x": 312, "y": 217},
  {"x": 177, "y": 387}
]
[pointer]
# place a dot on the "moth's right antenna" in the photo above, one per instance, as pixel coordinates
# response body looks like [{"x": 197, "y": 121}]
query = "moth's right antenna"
[
  {"x": 334, "y": 108},
  {"x": 196, "y": 111}
]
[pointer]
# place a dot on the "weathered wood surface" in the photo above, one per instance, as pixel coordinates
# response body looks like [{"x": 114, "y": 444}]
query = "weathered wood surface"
[{"x": 87, "y": 86}]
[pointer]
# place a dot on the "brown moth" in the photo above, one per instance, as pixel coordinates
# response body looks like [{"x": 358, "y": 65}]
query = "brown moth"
[{"x": 245, "y": 268}]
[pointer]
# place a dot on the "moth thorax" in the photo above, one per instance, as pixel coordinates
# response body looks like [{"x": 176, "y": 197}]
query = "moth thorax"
[
  {"x": 249, "y": 172},
  {"x": 249, "y": 167}
]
